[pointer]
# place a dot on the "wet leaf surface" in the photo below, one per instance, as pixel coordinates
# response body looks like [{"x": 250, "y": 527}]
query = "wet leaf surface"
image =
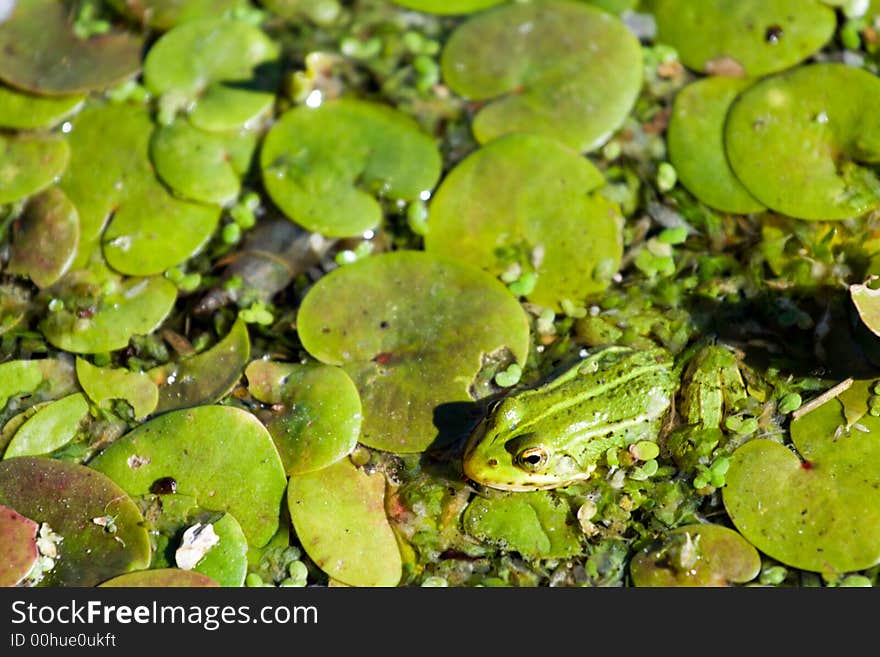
[
  {"x": 68, "y": 497},
  {"x": 817, "y": 509},
  {"x": 339, "y": 516},
  {"x": 42, "y": 54},
  {"x": 325, "y": 167},
  {"x": 45, "y": 238},
  {"x": 40, "y": 380},
  {"x": 315, "y": 417},
  {"x": 554, "y": 221},
  {"x": 220, "y": 455},
  {"x": 103, "y": 384},
  {"x": 695, "y": 140},
  {"x": 801, "y": 144},
  {"x": 17, "y": 536},
  {"x": 50, "y": 428},
  {"x": 696, "y": 555},
  {"x": 23, "y": 111},
  {"x": 762, "y": 36},
  {"x": 570, "y": 71},
  {"x": 537, "y": 524},
  {"x": 29, "y": 163},
  {"x": 161, "y": 578},
  {"x": 396, "y": 320}
]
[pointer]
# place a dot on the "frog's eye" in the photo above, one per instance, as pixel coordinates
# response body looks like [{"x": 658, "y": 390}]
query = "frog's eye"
[{"x": 533, "y": 459}]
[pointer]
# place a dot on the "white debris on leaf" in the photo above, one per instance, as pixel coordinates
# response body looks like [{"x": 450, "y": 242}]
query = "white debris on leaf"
[
  {"x": 197, "y": 541},
  {"x": 47, "y": 541}
]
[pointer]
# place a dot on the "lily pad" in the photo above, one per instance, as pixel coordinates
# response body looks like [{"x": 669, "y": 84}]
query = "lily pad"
[
  {"x": 797, "y": 141},
  {"x": 695, "y": 139},
  {"x": 537, "y": 524},
  {"x": 18, "y": 538},
  {"x": 160, "y": 578},
  {"x": 448, "y": 7},
  {"x": 45, "y": 238},
  {"x": 696, "y": 555},
  {"x": 103, "y": 384},
  {"x": 111, "y": 175},
  {"x": 206, "y": 377},
  {"x": 759, "y": 36},
  {"x": 41, "y": 380},
  {"x": 220, "y": 455},
  {"x": 200, "y": 165},
  {"x": 817, "y": 509},
  {"x": 50, "y": 428},
  {"x": 315, "y": 419},
  {"x": 339, "y": 517},
  {"x": 326, "y": 166},
  {"x": 165, "y": 14},
  {"x": 226, "y": 562},
  {"x": 69, "y": 498},
  {"x": 552, "y": 220},
  {"x": 569, "y": 71},
  {"x": 23, "y": 111},
  {"x": 42, "y": 54},
  {"x": 122, "y": 308},
  {"x": 411, "y": 329},
  {"x": 221, "y": 71},
  {"x": 29, "y": 163},
  {"x": 867, "y": 303}
]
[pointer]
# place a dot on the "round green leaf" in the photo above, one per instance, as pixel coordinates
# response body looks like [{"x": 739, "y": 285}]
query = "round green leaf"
[
  {"x": 696, "y": 555},
  {"x": 695, "y": 139},
  {"x": 226, "y": 563},
  {"x": 568, "y": 71},
  {"x": 448, "y": 6},
  {"x": 42, "y": 54},
  {"x": 29, "y": 163},
  {"x": 759, "y": 36},
  {"x": 74, "y": 501},
  {"x": 50, "y": 428},
  {"x": 552, "y": 219},
  {"x": 339, "y": 517},
  {"x": 18, "y": 538},
  {"x": 537, "y": 524},
  {"x": 123, "y": 308},
  {"x": 212, "y": 68},
  {"x": 206, "y": 377},
  {"x": 316, "y": 415},
  {"x": 45, "y": 238},
  {"x": 411, "y": 329},
  {"x": 220, "y": 455},
  {"x": 326, "y": 166},
  {"x": 165, "y": 14},
  {"x": 817, "y": 509},
  {"x": 103, "y": 384},
  {"x": 23, "y": 111},
  {"x": 203, "y": 166},
  {"x": 797, "y": 141},
  {"x": 41, "y": 380},
  {"x": 160, "y": 578}
]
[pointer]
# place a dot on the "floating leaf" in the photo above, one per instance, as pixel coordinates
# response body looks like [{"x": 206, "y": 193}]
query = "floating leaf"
[
  {"x": 161, "y": 578},
  {"x": 552, "y": 220},
  {"x": 200, "y": 165},
  {"x": 50, "y": 428},
  {"x": 319, "y": 419},
  {"x": 211, "y": 67},
  {"x": 398, "y": 320},
  {"x": 45, "y": 238},
  {"x": 867, "y": 303},
  {"x": 206, "y": 377},
  {"x": 68, "y": 497},
  {"x": 325, "y": 167},
  {"x": 165, "y": 14},
  {"x": 19, "y": 554},
  {"x": 103, "y": 384},
  {"x": 796, "y": 141},
  {"x": 339, "y": 517},
  {"x": 448, "y": 6},
  {"x": 42, "y": 379},
  {"x": 220, "y": 455},
  {"x": 695, "y": 140},
  {"x": 537, "y": 524},
  {"x": 23, "y": 111},
  {"x": 42, "y": 54},
  {"x": 760, "y": 36},
  {"x": 569, "y": 71},
  {"x": 817, "y": 509},
  {"x": 696, "y": 555},
  {"x": 29, "y": 163}
]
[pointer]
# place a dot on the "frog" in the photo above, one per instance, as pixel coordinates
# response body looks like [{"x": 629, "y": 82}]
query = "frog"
[{"x": 556, "y": 433}]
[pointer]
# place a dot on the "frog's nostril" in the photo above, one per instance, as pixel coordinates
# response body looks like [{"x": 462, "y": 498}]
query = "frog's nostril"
[{"x": 492, "y": 463}]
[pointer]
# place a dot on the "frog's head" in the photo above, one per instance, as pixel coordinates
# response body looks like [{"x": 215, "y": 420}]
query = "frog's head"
[{"x": 497, "y": 456}]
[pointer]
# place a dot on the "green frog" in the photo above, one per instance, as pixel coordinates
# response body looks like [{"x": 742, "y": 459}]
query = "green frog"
[{"x": 555, "y": 434}]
